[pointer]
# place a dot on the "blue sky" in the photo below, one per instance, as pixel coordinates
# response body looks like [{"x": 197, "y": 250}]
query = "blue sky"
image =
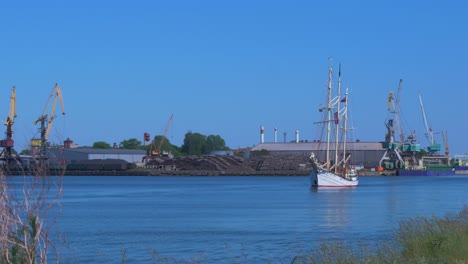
[{"x": 227, "y": 67}]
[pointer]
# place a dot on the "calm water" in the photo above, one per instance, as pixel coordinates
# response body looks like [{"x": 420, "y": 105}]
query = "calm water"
[{"x": 241, "y": 219}]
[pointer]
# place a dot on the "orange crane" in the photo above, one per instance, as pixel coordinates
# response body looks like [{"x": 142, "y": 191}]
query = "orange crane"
[
  {"x": 44, "y": 118},
  {"x": 156, "y": 151},
  {"x": 8, "y": 142}
]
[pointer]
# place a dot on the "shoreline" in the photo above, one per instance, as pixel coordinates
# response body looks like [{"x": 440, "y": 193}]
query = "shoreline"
[
  {"x": 149, "y": 173},
  {"x": 162, "y": 173}
]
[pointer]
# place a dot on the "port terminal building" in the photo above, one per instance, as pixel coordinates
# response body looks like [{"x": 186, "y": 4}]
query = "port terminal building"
[{"x": 365, "y": 154}]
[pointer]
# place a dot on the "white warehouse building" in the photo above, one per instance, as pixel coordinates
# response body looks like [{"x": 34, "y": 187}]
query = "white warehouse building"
[{"x": 69, "y": 155}]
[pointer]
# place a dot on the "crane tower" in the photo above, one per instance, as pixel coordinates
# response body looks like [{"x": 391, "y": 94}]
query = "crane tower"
[
  {"x": 46, "y": 121},
  {"x": 8, "y": 142}
]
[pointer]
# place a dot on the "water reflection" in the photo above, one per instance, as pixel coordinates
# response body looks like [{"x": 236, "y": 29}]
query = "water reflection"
[
  {"x": 332, "y": 189},
  {"x": 332, "y": 208}
]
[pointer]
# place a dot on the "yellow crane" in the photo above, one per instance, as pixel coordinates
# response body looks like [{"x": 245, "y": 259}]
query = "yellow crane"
[
  {"x": 8, "y": 142},
  {"x": 46, "y": 120}
]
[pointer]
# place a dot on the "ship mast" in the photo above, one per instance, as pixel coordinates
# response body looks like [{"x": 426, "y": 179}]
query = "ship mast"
[
  {"x": 345, "y": 128},
  {"x": 337, "y": 118},
  {"x": 329, "y": 106}
]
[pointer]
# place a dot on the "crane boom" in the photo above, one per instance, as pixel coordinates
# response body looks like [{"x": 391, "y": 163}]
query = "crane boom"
[
  {"x": 56, "y": 93},
  {"x": 165, "y": 133},
  {"x": 397, "y": 113},
  {"x": 429, "y": 133},
  {"x": 433, "y": 148},
  {"x": 12, "y": 112}
]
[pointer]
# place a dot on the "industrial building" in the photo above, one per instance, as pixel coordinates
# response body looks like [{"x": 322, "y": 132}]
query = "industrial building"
[
  {"x": 70, "y": 155},
  {"x": 367, "y": 154}
]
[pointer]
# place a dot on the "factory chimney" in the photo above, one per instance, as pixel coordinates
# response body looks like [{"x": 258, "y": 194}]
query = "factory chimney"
[
  {"x": 262, "y": 135},
  {"x": 276, "y": 135},
  {"x": 297, "y": 136}
]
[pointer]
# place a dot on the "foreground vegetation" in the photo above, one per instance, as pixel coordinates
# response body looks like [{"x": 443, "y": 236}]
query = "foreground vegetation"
[
  {"x": 417, "y": 240},
  {"x": 25, "y": 220},
  {"x": 420, "y": 240}
]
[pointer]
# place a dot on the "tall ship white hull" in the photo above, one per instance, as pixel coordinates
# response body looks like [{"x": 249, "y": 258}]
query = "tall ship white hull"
[
  {"x": 340, "y": 173},
  {"x": 329, "y": 179}
]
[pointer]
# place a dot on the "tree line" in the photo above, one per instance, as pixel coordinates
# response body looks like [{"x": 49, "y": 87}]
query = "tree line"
[{"x": 194, "y": 144}]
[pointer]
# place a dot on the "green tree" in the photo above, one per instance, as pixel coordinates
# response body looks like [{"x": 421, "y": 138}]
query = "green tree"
[
  {"x": 215, "y": 142},
  {"x": 101, "y": 145},
  {"x": 131, "y": 143},
  {"x": 194, "y": 144},
  {"x": 166, "y": 145},
  {"x": 25, "y": 152}
]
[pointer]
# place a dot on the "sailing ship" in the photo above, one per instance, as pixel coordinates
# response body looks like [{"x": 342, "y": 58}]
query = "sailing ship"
[{"x": 339, "y": 174}]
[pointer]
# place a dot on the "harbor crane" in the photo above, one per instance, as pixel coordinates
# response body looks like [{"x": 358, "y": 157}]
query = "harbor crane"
[
  {"x": 156, "y": 150},
  {"x": 433, "y": 147},
  {"x": 8, "y": 142},
  {"x": 392, "y": 157},
  {"x": 46, "y": 120}
]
